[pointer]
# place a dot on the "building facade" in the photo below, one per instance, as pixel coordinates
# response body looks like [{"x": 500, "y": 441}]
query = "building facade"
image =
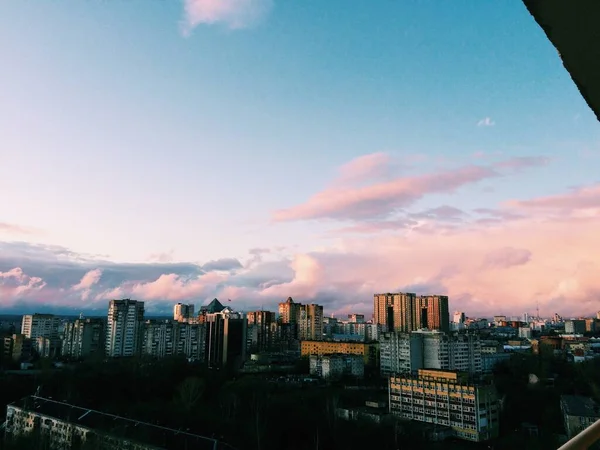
[
  {"x": 83, "y": 338},
  {"x": 182, "y": 312},
  {"x": 226, "y": 339},
  {"x": 260, "y": 330},
  {"x": 368, "y": 351},
  {"x": 448, "y": 399},
  {"x": 408, "y": 352},
  {"x": 124, "y": 328},
  {"x": 163, "y": 338},
  {"x": 406, "y": 312},
  {"x": 337, "y": 366}
]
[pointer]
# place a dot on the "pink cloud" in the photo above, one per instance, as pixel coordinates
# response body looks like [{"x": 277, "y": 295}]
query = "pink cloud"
[
  {"x": 385, "y": 198},
  {"x": 14, "y": 229},
  {"x": 506, "y": 257},
  {"x": 86, "y": 283},
  {"x": 585, "y": 198},
  {"x": 365, "y": 168},
  {"x": 235, "y": 14},
  {"x": 15, "y": 284}
]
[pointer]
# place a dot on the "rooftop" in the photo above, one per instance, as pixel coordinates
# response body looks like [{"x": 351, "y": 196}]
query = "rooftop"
[
  {"x": 102, "y": 423},
  {"x": 578, "y": 405}
]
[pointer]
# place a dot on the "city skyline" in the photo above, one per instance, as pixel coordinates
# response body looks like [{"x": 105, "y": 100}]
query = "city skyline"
[{"x": 171, "y": 154}]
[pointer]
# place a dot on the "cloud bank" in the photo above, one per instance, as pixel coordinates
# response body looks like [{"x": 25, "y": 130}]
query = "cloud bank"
[{"x": 496, "y": 260}]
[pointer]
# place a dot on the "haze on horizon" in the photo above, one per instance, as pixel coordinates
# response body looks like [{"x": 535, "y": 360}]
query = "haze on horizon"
[{"x": 254, "y": 150}]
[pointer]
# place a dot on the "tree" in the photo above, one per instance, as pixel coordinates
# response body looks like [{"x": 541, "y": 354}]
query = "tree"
[{"x": 190, "y": 391}]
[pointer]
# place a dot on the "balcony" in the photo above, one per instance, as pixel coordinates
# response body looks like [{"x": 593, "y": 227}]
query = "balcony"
[{"x": 585, "y": 439}]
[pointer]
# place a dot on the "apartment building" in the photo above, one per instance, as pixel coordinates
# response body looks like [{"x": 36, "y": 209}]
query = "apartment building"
[
  {"x": 409, "y": 352},
  {"x": 163, "y": 338},
  {"x": 406, "y": 312},
  {"x": 575, "y": 326},
  {"x": 46, "y": 327},
  {"x": 182, "y": 312},
  {"x": 336, "y": 366},
  {"x": 579, "y": 412},
  {"x": 310, "y": 322},
  {"x": 448, "y": 399},
  {"x": 124, "y": 328},
  {"x": 368, "y": 351},
  {"x": 84, "y": 337},
  {"x": 17, "y": 347},
  {"x": 65, "y": 426},
  {"x": 260, "y": 330}
]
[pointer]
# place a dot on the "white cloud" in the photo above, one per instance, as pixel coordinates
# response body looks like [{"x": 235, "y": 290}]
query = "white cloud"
[
  {"x": 234, "y": 14},
  {"x": 486, "y": 122}
]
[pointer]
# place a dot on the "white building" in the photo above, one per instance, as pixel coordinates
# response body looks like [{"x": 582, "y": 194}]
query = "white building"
[
  {"x": 336, "y": 366},
  {"x": 36, "y": 325},
  {"x": 168, "y": 338},
  {"x": 406, "y": 353},
  {"x": 525, "y": 332},
  {"x": 124, "y": 328}
]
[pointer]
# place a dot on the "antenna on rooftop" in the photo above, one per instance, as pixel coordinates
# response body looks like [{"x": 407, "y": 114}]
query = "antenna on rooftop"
[{"x": 538, "y": 310}]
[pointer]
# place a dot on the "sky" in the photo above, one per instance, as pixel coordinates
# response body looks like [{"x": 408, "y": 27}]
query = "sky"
[{"x": 251, "y": 150}]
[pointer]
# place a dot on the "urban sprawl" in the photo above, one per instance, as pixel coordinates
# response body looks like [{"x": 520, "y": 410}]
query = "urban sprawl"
[{"x": 437, "y": 366}]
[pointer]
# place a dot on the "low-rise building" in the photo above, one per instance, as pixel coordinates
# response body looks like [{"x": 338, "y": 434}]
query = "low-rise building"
[
  {"x": 65, "y": 426},
  {"x": 449, "y": 399},
  {"x": 578, "y": 413},
  {"x": 336, "y": 366},
  {"x": 369, "y": 351}
]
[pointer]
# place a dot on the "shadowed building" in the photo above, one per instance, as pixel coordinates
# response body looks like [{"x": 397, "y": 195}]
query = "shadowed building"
[{"x": 406, "y": 312}]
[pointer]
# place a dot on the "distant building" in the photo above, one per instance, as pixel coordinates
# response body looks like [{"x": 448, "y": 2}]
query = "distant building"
[
  {"x": 448, "y": 399},
  {"x": 83, "y": 338},
  {"x": 409, "y": 352},
  {"x": 578, "y": 413},
  {"x": 260, "y": 330},
  {"x": 356, "y": 318},
  {"x": 46, "y": 326},
  {"x": 310, "y": 322},
  {"x": 225, "y": 339},
  {"x": 575, "y": 326},
  {"x": 336, "y": 366},
  {"x": 17, "y": 347},
  {"x": 406, "y": 312},
  {"x": 368, "y": 351},
  {"x": 183, "y": 312},
  {"x": 525, "y": 332},
  {"x": 124, "y": 329},
  {"x": 289, "y": 311},
  {"x": 215, "y": 306},
  {"x": 163, "y": 338}
]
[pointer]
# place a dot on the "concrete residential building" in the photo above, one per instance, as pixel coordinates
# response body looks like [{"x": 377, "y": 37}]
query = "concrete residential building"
[
  {"x": 65, "y": 426},
  {"x": 182, "y": 312},
  {"x": 578, "y": 413},
  {"x": 448, "y": 399},
  {"x": 406, "y": 312},
  {"x": 17, "y": 347},
  {"x": 368, "y": 351},
  {"x": 289, "y": 311},
  {"x": 310, "y": 322},
  {"x": 260, "y": 330},
  {"x": 575, "y": 326},
  {"x": 43, "y": 330},
  {"x": 163, "y": 338},
  {"x": 336, "y": 366},
  {"x": 83, "y": 337},
  {"x": 409, "y": 352},
  {"x": 124, "y": 328}
]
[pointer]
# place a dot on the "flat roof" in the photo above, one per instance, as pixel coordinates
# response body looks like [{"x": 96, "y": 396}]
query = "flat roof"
[
  {"x": 578, "y": 405},
  {"x": 122, "y": 427}
]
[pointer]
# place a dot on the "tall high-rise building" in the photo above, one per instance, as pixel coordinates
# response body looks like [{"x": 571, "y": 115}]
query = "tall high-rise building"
[
  {"x": 36, "y": 325},
  {"x": 310, "y": 322},
  {"x": 260, "y": 329},
  {"x": 183, "y": 312},
  {"x": 289, "y": 311},
  {"x": 124, "y": 328},
  {"x": 83, "y": 337},
  {"x": 225, "y": 339},
  {"x": 459, "y": 317},
  {"x": 405, "y": 312}
]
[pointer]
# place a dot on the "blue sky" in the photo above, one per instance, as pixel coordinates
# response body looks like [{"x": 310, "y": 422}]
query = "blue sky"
[{"x": 124, "y": 137}]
